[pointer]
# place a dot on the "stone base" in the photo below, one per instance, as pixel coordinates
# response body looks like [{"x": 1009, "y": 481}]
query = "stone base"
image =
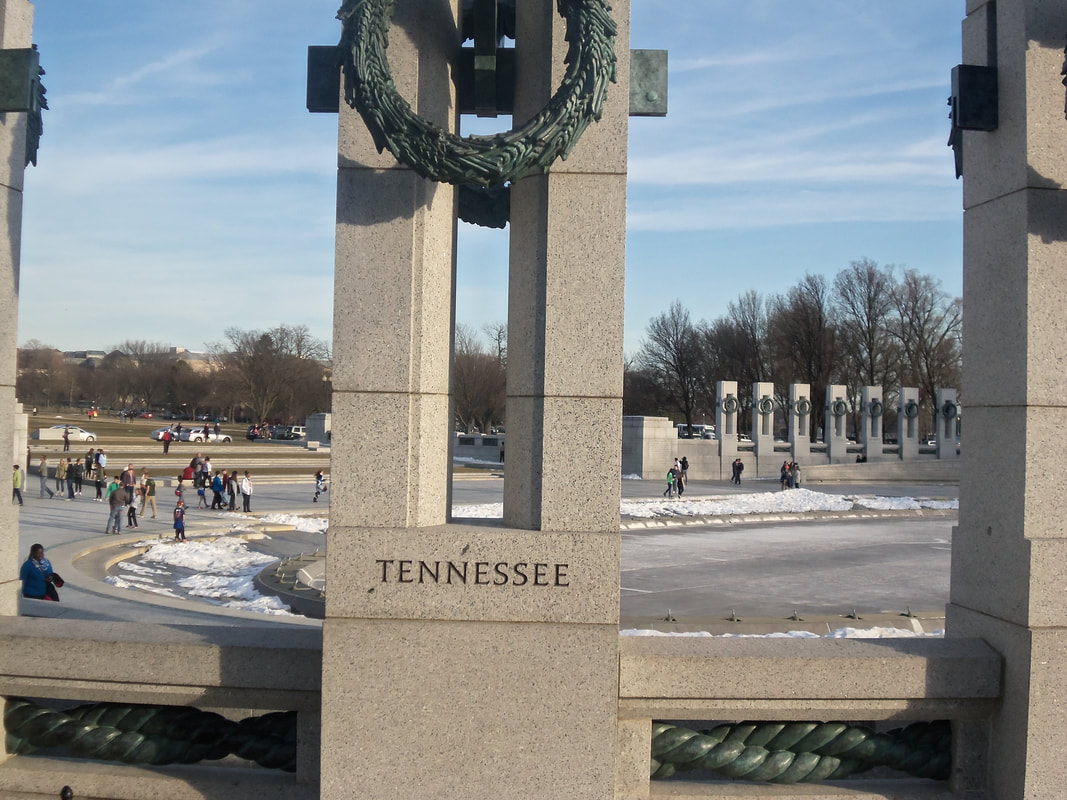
[{"x": 461, "y": 709}]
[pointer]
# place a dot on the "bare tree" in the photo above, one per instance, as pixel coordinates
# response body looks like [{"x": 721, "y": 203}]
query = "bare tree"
[
  {"x": 478, "y": 382},
  {"x": 149, "y": 367},
  {"x": 928, "y": 327},
  {"x": 670, "y": 356},
  {"x": 270, "y": 368},
  {"x": 805, "y": 338}
]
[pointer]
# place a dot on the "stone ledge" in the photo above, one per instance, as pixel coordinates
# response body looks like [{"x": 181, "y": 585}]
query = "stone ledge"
[
  {"x": 41, "y": 777},
  {"x": 194, "y": 665},
  {"x": 672, "y": 671}
]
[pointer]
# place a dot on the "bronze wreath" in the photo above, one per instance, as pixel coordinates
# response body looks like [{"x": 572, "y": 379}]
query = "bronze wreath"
[
  {"x": 840, "y": 408},
  {"x": 482, "y": 160},
  {"x": 876, "y": 408},
  {"x": 803, "y": 407},
  {"x": 730, "y": 405},
  {"x": 948, "y": 410},
  {"x": 766, "y": 406},
  {"x": 911, "y": 409}
]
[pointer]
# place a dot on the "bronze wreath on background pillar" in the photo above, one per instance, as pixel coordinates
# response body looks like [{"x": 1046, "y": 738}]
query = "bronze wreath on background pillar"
[{"x": 494, "y": 160}]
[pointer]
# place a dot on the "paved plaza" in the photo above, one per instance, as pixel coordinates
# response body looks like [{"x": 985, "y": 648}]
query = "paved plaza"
[{"x": 698, "y": 571}]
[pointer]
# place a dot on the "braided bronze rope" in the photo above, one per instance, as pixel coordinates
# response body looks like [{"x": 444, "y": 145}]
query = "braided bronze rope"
[
  {"x": 801, "y": 752},
  {"x": 137, "y": 734}
]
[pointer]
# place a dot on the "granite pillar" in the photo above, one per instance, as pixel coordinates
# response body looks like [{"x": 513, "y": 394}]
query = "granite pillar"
[
  {"x": 799, "y": 414},
  {"x": 763, "y": 407},
  {"x": 16, "y": 27},
  {"x": 872, "y": 415},
  {"x": 908, "y": 411},
  {"x": 835, "y": 424},
  {"x": 727, "y": 413},
  {"x": 1010, "y": 547},
  {"x": 946, "y": 416}
]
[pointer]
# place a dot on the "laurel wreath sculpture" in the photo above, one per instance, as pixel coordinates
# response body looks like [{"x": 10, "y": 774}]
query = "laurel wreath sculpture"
[
  {"x": 802, "y": 752},
  {"x": 482, "y": 160},
  {"x": 141, "y": 734}
]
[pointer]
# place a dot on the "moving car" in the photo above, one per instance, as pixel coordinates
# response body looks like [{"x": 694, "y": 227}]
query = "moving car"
[
  {"x": 293, "y": 432},
  {"x": 157, "y": 434},
  {"x": 203, "y": 435}
]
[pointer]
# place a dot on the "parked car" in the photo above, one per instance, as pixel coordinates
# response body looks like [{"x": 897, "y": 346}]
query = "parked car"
[
  {"x": 293, "y": 432},
  {"x": 203, "y": 435},
  {"x": 76, "y": 434},
  {"x": 157, "y": 434}
]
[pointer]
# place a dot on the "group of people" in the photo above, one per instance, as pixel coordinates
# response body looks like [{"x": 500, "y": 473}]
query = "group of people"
[
  {"x": 223, "y": 485},
  {"x": 676, "y": 478},
  {"x": 790, "y": 475}
]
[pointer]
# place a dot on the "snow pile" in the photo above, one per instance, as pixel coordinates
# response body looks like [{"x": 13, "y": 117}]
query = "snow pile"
[
  {"x": 790, "y": 501},
  {"x": 306, "y": 524},
  {"x": 840, "y": 633},
  {"x": 220, "y": 571}
]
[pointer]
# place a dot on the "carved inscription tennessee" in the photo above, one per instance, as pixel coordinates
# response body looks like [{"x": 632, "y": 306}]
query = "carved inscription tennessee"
[{"x": 476, "y": 573}]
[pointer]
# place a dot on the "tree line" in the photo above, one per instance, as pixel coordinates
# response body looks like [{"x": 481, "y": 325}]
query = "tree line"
[
  {"x": 867, "y": 326},
  {"x": 278, "y": 374}
]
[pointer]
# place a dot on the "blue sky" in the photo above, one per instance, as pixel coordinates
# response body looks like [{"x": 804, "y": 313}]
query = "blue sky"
[{"x": 182, "y": 188}]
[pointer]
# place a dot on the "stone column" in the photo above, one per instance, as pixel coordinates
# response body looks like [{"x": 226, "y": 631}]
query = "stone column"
[
  {"x": 945, "y": 417},
  {"x": 16, "y": 27},
  {"x": 393, "y": 314},
  {"x": 800, "y": 422},
  {"x": 872, "y": 414},
  {"x": 835, "y": 424},
  {"x": 763, "y": 406},
  {"x": 565, "y": 301},
  {"x": 908, "y": 423},
  {"x": 727, "y": 410},
  {"x": 1010, "y": 547}
]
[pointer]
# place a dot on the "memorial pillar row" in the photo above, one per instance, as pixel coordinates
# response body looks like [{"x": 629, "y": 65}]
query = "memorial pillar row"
[
  {"x": 16, "y": 30},
  {"x": 799, "y": 413},
  {"x": 1010, "y": 547}
]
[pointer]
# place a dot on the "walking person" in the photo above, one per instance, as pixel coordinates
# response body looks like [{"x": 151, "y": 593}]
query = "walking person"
[
  {"x": 99, "y": 486},
  {"x": 66, "y": 438},
  {"x": 79, "y": 477},
  {"x": 16, "y": 485},
  {"x": 90, "y": 463},
  {"x": 131, "y": 516},
  {"x": 116, "y": 503},
  {"x": 179, "y": 521},
  {"x": 217, "y": 489},
  {"x": 61, "y": 475},
  {"x": 246, "y": 492},
  {"x": 42, "y": 472},
  {"x": 232, "y": 489},
  {"x": 679, "y": 482},
  {"x": 320, "y": 485},
  {"x": 740, "y": 469},
  {"x": 70, "y": 479},
  {"x": 685, "y": 468},
  {"x": 166, "y": 441},
  {"x": 129, "y": 483},
  {"x": 669, "y": 493},
  {"x": 148, "y": 494}
]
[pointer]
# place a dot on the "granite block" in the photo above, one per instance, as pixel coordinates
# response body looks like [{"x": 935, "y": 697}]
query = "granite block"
[
  {"x": 471, "y": 710},
  {"x": 473, "y": 572}
]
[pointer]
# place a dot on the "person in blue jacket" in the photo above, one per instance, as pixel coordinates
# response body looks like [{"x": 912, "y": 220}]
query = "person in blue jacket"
[{"x": 36, "y": 575}]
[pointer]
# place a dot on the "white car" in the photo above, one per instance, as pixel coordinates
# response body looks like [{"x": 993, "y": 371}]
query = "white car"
[
  {"x": 76, "y": 434},
  {"x": 157, "y": 434},
  {"x": 203, "y": 435}
]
